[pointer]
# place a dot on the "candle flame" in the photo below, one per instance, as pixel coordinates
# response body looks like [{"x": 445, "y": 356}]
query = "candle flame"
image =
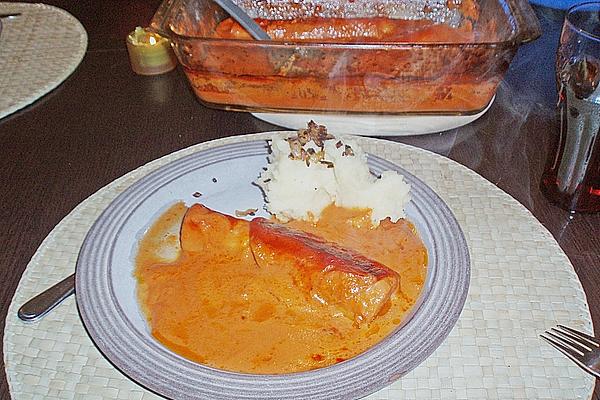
[{"x": 152, "y": 40}]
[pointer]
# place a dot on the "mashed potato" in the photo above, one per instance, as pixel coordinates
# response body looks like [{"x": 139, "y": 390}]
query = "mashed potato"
[{"x": 308, "y": 172}]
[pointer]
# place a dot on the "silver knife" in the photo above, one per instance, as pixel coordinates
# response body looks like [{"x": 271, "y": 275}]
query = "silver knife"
[
  {"x": 9, "y": 15},
  {"x": 41, "y": 304}
]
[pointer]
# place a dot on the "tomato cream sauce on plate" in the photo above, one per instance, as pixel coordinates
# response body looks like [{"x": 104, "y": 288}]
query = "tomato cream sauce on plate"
[{"x": 214, "y": 302}]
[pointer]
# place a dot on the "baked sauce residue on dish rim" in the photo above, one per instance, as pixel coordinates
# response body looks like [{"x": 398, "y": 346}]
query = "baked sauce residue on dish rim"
[{"x": 213, "y": 302}]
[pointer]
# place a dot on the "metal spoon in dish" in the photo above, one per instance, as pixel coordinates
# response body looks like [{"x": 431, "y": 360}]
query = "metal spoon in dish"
[{"x": 243, "y": 19}]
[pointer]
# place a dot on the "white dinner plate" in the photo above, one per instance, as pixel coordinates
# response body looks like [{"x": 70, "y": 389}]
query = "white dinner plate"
[
  {"x": 374, "y": 125},
  {"x": 106, "y": 287}
]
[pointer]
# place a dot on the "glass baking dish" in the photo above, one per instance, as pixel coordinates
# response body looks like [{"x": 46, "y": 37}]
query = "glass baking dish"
[{"x": 387, "y": 76}]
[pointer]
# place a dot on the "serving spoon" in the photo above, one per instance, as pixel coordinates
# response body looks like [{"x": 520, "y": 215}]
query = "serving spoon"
[{"x": 243, "y": 19}]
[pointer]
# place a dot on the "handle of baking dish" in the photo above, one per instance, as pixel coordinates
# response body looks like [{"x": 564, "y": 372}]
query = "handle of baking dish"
[
  {"x": 160, "y": 21},
  {"x": 527, "y": 25}
]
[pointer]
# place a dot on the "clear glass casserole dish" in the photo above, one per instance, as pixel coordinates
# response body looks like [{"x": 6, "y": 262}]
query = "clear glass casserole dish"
[{"x": 441, "y": 57}]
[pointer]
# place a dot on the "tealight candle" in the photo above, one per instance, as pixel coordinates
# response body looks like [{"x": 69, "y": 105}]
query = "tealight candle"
[{"x": 149, "y": 53}]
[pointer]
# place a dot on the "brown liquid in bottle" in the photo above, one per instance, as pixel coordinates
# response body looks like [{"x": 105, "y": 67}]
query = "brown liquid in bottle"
[{"x": 572, "y": 175}]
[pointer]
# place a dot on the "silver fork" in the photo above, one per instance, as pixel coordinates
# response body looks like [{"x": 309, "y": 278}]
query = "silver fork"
[{"x": 582, "y": 348}]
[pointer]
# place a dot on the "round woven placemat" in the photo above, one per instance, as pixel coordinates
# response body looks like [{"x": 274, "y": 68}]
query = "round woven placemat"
[
  {"x": 522, "y": 283},
  {"x": 38, "y": 50}
]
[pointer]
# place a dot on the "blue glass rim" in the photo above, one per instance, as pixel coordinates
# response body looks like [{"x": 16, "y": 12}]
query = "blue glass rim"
[{"x": 578, "y": 8}]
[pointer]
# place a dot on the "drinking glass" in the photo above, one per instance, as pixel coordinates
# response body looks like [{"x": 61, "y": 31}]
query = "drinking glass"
[{"x": 572, "y": 175}]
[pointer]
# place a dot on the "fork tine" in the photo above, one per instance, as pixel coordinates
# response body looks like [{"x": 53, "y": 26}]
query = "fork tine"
[
  {"x": 572, "y": 354},
  {"x": 565, "y": 339},
  {"x": 582, "y": 335}
]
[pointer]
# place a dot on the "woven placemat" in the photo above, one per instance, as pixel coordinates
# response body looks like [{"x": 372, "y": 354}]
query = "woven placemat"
[
  {"x": 522, "y": 283},
  {"x": 38, "y": 50}
]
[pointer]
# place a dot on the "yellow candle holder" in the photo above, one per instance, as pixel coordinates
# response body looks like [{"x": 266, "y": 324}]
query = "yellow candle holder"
[{"x": 150, "y": 53}]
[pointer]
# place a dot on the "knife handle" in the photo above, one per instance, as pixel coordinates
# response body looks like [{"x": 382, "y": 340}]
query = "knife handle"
[{"x": 41, "y": 304}]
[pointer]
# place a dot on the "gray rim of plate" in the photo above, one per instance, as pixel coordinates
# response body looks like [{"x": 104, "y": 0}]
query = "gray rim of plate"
[{"x": 150, "y": 364}]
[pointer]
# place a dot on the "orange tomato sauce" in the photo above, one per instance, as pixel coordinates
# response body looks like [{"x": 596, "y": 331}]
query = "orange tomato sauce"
[
  {"x": 376, "y": 29},
  {"x": 222, "y": 310},
  {"x": 394, "y": 79}
]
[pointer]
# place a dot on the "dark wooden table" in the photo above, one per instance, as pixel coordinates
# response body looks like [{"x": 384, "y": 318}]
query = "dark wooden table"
[{"x": 105, "y": 121}]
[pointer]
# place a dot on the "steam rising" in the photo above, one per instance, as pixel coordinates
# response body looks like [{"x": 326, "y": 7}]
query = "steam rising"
[{"x": 506, "y": 160}]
